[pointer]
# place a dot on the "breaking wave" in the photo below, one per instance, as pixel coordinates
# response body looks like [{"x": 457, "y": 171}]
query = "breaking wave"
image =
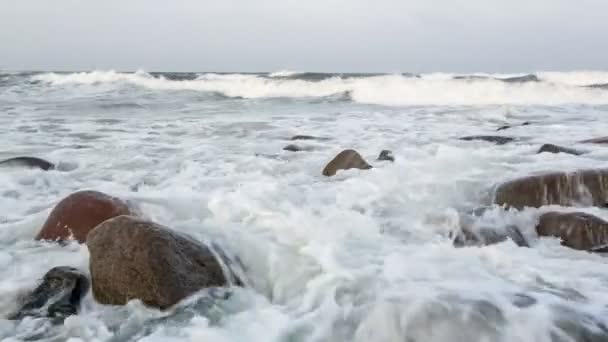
[{"x": 544, "y": 88}]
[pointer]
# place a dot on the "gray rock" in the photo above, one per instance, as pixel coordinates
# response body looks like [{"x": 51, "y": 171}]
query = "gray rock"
[
  {"x": 498, "y": 140},
  {"x": 58, "y": 295},
  {"x": 30, "y": 162},
  {"x": 550, "y": 148},
  {"x": 386, "y": 155}
]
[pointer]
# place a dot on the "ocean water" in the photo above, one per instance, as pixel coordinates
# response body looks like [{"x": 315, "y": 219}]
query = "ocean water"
[{"x": 362, "y": 256}]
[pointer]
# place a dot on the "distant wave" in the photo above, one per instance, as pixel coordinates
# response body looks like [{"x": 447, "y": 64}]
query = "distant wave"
[{"x": 544, "y": 88}]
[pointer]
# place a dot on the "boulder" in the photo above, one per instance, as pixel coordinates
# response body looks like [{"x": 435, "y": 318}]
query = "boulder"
[
  {"x": 347, "y": 159},
  {"x": 77, "y": 214},
  {"x": 132, "y": 258},
  {"x": 558, "y": 149},
  {"x": 30, "y": 162},
  {"x": 58, "y": 295},
  {"x": 498, "y": 140},
  {"x": 386, "y": 155},
  {"x": 576, "y": 230},
  {"x": 601, "y": 140},
  {"x": 583, "y": 187}
]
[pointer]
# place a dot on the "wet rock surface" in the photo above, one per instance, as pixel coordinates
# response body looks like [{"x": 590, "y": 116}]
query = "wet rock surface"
[
  {"x": 550, "y": 148},
  {"x": 28, "y": 162},
  {"x": 386, "y": 155},
  {"x": 498, "y": 140},
  {"x": 132, "y": 258},
  {"x": 345, "y": 160},
  {"x": 578, "y": 188},
  {"x": 77, "y": 214},
  {"x": 58, "y": 295},
  {"x": 576, "y": 230}
]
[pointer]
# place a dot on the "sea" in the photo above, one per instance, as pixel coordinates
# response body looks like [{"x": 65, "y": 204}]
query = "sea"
[{"x": 364, "y": 256}]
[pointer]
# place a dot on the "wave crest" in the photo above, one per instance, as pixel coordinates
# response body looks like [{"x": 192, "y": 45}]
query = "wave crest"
[{"x": 392, "y": 90}]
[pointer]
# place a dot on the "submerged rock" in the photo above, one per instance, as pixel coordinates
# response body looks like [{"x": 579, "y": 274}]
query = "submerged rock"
[
  {"x": 296, "y": 148},
  {"x": 558, "y": 149},
  {"x": 498, "y": 140},
  {"x": 57, "y": 297},
  {"x": 520, "y": 79},
  {"x": 486, "y": 236},
  {"x": 77, "y": 214},
  {"x": 347, "y": 159},
  {"x": 583, "y": 187},
  {"x": 576, "y": 230},
  {"x": 31, "y": 162},
  {"x": 386, "y": 155},
  {"x": 501, "y": 128},
  {"x": 601, "y": 140},
  {"x": 307, "y": 137},
  {"x": 132, "y": 258}
]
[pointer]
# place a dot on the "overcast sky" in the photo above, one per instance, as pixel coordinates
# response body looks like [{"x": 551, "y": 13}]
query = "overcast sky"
[{"x": 305, "y": 35}]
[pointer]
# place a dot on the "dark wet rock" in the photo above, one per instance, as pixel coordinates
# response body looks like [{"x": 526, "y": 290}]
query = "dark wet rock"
[
  {"x": 576, "y": 230},
  {"x": 501, "y": 128},
  {"x": 30, "y": 162},
  {"x": 601, "y": 140},
  {"x": 521, "y": 300},
  {"x": 347, "y": 159},
  {"x": 486, "y": 236},
  {"x": 386, "y": 155},
  {"x": 579, "y": 188},
  {"x": 77, "y": 214},
  {"x": 577, "y": 326},
  {"x": 58, "y": 295},
  {"x": 498, "y": 140},
  {"x": 520, "y": 79},
  {"x": 296, "y": 148},
  {"x": 308, "y": 137},
  {"x": 599, "y": 86},
  {"x": 471, "y": 77},
  {"x": 550, "y": 148},
  {"x": 208, "y": 303},
  {"x": 132, "y": 258}
]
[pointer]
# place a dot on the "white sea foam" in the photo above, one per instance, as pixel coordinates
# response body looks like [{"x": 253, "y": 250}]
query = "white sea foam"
[
  {"x": 393, "y": 90},
  {"x": 362, "y": 256}
]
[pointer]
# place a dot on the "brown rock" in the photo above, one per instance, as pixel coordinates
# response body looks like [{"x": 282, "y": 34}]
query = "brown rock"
[
  {"x": 347, "y": 159},
  {"x": 576, "y": 230},
  {"x": 583, "y": 187},
  {"x": 601, "y": 140},
  {"x": 79, "y": 213},
  {"x": 132, "y": 258}
]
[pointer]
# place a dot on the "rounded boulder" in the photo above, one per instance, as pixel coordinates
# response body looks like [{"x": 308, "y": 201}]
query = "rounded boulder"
[
  {"x": 77, "y": 214},
  {"x": 347, "y": 159},
  {"x": 132, "y": 258}
]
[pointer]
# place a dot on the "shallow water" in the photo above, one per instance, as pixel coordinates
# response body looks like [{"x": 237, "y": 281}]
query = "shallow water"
[{"x": 363, "y": 256}]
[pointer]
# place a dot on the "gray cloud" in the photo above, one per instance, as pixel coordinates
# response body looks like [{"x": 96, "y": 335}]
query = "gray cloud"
[{"x": 312, "y": 35}]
